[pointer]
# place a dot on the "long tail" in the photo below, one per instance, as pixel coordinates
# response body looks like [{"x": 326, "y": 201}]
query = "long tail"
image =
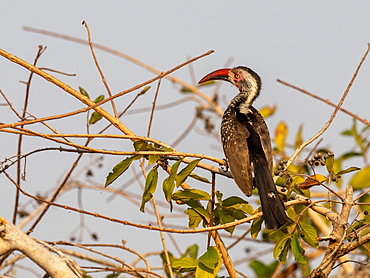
[{"x": 272, "y": 207}]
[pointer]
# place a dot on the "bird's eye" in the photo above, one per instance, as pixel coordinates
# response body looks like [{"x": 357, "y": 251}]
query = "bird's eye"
[{"x": 237, "y": 76}]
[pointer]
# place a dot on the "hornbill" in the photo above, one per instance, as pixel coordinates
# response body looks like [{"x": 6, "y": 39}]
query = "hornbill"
[{"x": 247, "y": 144}]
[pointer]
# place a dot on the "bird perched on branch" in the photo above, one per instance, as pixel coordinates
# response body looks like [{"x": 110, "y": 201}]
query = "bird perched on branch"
[{"x": 247, "y": 144}]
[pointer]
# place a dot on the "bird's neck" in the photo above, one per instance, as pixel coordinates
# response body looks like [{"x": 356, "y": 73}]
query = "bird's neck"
[{"x": 245, "y": 98}]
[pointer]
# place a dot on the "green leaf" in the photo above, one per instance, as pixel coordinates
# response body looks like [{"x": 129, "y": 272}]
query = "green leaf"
[
  {"x": 297, "y": 180},
  {"x": 309, "y": 234},
  {"x": 348, "y": 170},
  {"x": 284, "y": 253},
  {"x": 237, "y": 204},
  {"x": 361, "y": 179},
  {"x": 297, "y": 250},
  {"x": 150, "y": 187},
  {"x": 281, "y": 248},
  {"x": 197, "y": 206},
  {"x": 329, "y": 162},
  {"x": 165, "y": 149},
  {"x": 95, "y": 117},
  {"x": 185, "y": 264},
  {"x": 153, "y": 159},
  {"x": 185, "y": 90},
  {"x": 339, "y": 161},
  {"x": 233, "y": 200},
  {"x": 256, "y": 227},
  {"x": 169, "y": 183},
  {"x": 141, "y": 146},
  {"x": 209, "y": 263},
  {"x": 358, "y": 139},
  {"x": 225, "y": 218},
  {"x": 199, "y": 178},
  {"x": 194, "y": 218},
  {"x": 83, "y": 91},
  {"x": 365, "y": 199},
  {"x": 298, "y": 137},
  {"x": 99, "y": 98},
  {"x": 156, "y": 147},
  {"x": 263, "y": 270},
  {"x": 192, "y": 251},
  {"x": 119, "y": 169},
  {"x": 210, "y": 258},
  {"x": 204, "y": 272},
  {"x": 165, "y": 263},
  {"x": 245, "y": 208},
  {"x": 259, "y": 268},
  {"x": 190, "y": 194},
  {"x": 347, "y": 132},
  {"x": 184, "y": 173},
  {"x": 219, "y": 196}
]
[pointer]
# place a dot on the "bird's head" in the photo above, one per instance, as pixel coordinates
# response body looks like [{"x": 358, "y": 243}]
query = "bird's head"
[{"x": 247, "y": 81}]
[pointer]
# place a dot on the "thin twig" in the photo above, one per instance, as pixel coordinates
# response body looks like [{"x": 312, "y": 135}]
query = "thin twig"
[
  {"x": 326, "y": 126},
  {"x": 130, "y": 104},
  {"x": 211, "y": 218},
  {"x": 8, "y": 103},
  {"x": 159, "y": 107},
  {"x": 91, "y": 105},
  {"x": 163, "y": 240},
  {"x": 84, "y": 148},
  {"x": 300, "y": 200},
  {"x": 153, "y": 108},
  {"x": 20, "y": 137},
  {"x": 240, "y": 238},
  {"x": 57, "y": 71},
  {"x": 185, "y": 132},
  {"x": 99, "y": 68},
  {"x": 324, "y": 100},
  {"x": 159, "y": 223},
  {"x": 147, "y": 227},
  {"x": 140, "y": 256},
  {"x": 193, "y": 89}
]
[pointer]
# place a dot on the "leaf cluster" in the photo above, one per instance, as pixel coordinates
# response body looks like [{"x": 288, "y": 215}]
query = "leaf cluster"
[{"x": 207, "y": 265}]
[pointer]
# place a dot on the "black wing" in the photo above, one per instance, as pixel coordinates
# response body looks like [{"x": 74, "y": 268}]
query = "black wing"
[{"x": 234, "y": 140}]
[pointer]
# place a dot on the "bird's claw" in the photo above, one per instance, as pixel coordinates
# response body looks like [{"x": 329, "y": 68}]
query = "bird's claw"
[{"x": 225, "y": 167}]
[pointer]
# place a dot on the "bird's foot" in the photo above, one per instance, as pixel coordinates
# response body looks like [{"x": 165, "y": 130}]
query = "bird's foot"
[{"x": 225, "y": 167}]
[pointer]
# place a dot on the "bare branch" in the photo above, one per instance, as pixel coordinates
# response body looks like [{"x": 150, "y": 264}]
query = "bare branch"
[
  {"x": 326, "y": 126},
  {"x": 12, "y": 239}
]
